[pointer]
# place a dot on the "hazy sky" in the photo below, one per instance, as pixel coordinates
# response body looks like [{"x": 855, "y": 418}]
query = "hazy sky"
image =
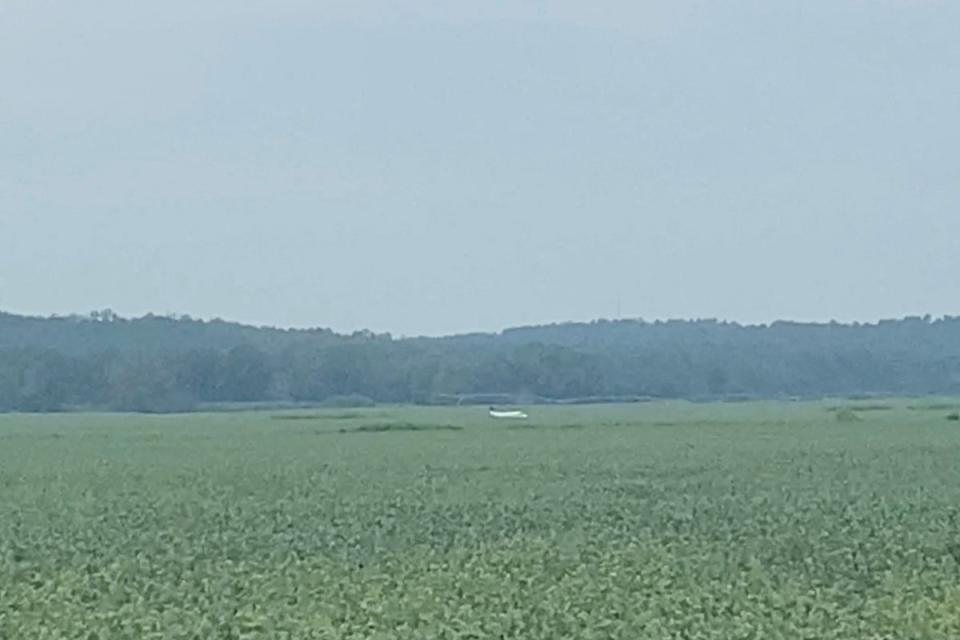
[{"x": 417, "y": 168}]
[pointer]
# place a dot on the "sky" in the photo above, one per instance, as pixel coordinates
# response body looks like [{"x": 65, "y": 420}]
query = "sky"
[{"x": 435, "y": 167}]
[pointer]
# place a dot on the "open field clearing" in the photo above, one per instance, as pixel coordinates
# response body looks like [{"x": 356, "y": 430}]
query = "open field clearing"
[{"x": 662, "y": 520}]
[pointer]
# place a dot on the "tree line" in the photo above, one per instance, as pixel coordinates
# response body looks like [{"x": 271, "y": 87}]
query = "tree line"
[{"x": 165, "y": 364}]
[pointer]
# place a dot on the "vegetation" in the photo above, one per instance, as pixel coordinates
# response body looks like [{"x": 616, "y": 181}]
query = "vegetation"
[
  {"x": 657, "y": 520},
  {"x": 160, "y": 364}
]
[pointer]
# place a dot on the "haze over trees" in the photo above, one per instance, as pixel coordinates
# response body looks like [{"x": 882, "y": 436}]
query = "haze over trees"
[{"x": 161, "y": 364}]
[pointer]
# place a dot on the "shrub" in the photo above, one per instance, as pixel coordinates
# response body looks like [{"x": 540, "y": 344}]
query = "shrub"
[{"x": 847, "y": 415}]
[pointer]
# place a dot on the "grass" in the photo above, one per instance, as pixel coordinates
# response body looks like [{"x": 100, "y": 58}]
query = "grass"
[{"x": 654, "y": 520}]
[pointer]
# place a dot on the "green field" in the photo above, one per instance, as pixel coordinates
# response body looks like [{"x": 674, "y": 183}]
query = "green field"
[{"x": 661, "y": 520}]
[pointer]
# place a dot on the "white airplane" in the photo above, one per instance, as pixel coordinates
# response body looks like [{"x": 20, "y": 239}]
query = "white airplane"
[{"x": 494, "y": 413}]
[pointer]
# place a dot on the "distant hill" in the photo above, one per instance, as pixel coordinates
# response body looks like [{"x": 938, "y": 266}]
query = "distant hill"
[{"x": 160, "y": 363}]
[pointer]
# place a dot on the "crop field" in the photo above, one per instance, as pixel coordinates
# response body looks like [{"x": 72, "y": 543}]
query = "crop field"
[{"x": 648, "y": 521}]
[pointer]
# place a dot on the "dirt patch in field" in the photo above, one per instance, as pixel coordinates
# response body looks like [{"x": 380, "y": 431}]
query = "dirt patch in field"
[
  {"x": 399, "y": 426},
  {"x": 343, "y": 415}
]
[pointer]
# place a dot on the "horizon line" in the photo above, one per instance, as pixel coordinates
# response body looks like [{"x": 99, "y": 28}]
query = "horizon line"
[{"x": 107, "y": 316}]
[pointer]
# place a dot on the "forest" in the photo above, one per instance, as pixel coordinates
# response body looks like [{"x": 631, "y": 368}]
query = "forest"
[{"x": 102, "y": 361}]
